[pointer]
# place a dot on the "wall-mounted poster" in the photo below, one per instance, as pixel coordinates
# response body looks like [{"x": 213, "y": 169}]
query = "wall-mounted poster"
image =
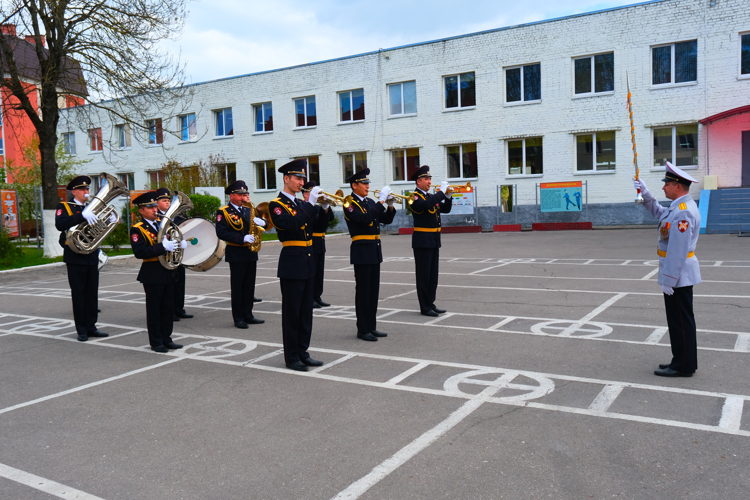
[{"x": 561, "y": 196}]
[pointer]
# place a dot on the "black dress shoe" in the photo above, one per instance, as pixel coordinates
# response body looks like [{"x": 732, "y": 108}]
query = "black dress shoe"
[
  {"x": 97, "y": 333},
  {"x": 160, "y": 348},
  {"x": 379, "y": 334},
  {"x": 430, "y": 313},
  {"x": 184, "y": 315},
  {"x": 312, "y": 362},
  {"x": 175, "y": 318},
  {"x": 241, "y": 324},
  {"x": 367, "y": 336},
  {"x": 98, "y": 310},
  {"x": 255, "y": 321},
  {"x": 439, "y": 311},
  {"x": 668, "y": 372},
  {"x": 256, "y": 299},
  {"x": 316, "y": 305},
  {"x": 172, "y": 345},
  {"x": 323, "y": 304},
  {"x": 297, "y": 366},
  {"x": 665, "y": 365},
  {"x": 83, "y": 338}
]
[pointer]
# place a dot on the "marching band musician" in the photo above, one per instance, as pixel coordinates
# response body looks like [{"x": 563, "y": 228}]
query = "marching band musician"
[
  {"x": 363, "y": 219},
  {"x": 679, "y": 270},
  {"x": 320, "y": 227},
  {"x": 158, "y": 281},
  {"x": 233, "y": 226},
  {"x": 425, "y": 241},
  {"x": 83, "y": 270},
  {"x": 163, "y": 202},
  {"x": 294, "y": 221}
]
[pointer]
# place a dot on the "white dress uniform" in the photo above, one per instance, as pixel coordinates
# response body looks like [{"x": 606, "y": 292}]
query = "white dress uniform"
[{"x": 679, "y": 227}]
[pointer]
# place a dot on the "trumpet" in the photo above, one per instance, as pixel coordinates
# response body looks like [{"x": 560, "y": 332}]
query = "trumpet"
[
  {"x": 455, "y": 187},
  {"x": 334, "y": 200},
  {"x": 400, "y": 198}
]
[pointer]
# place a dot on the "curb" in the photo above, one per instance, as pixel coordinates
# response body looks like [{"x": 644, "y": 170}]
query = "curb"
[{"x": 55, "y": 264}]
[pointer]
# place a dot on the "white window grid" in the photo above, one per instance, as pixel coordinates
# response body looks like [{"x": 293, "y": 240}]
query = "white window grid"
[
  {"x": 222, "y": 117},
  {"x": 674, "y": 147},
  {"x": 259, "y": 110},
  {"x": 739, "y": 56},
  {"x": 265, "y": 174},
  {"x": 404, "y": 159},
  {"x": 304, "y": 106},
  {"x": 351, "y": 106},
  {"x": 123, "y": 136},
  {"x": 96, "y": 140},
  {"x": 460, "y": 160},
  {"x": 69, "y": 142},
  {"x": 523, "y": 157},
  {"x": 152, "y": 132},
  {"x": 353, "y": 156},
  {"x": 401, "y": 90},
  {"x": 593, "y": 146},
  {"x": 187, "y": 125},
  {"x": 523, "y": 92},
  {"x": 460, "y": 104},
  {"x": 593, "y": 76},
  {"x": 128, "y": 179},
  {"x": 671, "y": 83}
]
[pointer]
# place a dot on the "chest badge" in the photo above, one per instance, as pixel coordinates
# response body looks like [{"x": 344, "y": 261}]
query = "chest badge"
[
  {"x": 683, "y": 226},
  {"x": 664, "y": 230}
]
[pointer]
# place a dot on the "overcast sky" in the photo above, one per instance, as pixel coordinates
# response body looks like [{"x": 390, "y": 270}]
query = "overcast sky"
[{"x": 234, "y": 37}]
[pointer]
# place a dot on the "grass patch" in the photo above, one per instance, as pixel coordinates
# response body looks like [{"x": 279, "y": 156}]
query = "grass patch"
[
  {"x": 30, "y": 258},
  {"x": 270, "y": 237}
]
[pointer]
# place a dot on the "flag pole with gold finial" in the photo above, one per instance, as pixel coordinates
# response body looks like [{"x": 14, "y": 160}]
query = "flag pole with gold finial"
[{"x": 639, "y": 198}]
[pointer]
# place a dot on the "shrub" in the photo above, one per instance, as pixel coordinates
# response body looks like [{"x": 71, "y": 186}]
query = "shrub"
[
  {"x": 334, "y": 222},
  {"x": 10, "y": 253},
  {"x": 204, "y": 206}
]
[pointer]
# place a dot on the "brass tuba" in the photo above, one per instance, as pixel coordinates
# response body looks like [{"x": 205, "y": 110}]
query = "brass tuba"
[
  {"x": 260, "y": 211},
  {"x": 86, "y": 238},
  {"x": 180, "y": 204}
]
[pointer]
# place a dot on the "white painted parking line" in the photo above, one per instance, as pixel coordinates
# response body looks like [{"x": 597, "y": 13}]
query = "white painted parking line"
[
  {"x": 731, "y": 413},
  {"x": 46, "y": 485},
  {"x": 87, "y": 386},
  {"x": 333, "y": 363},
  {"x": 567, "y": 332},
  {"x": 502, "y": 323},
  {"x": 657, "y": 335},
  {"x": 650, "y": 275},
  {"x": 408, "y": 373},
  {"x": 743, "y": 343},
  {"x": 439, "y": 318},
  {"x": 606, "y": 397},
  {"x": 398, "y": 295}
]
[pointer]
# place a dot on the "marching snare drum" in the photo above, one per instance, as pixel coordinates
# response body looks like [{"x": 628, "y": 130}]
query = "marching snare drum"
[{"x": 204, "y": 249}]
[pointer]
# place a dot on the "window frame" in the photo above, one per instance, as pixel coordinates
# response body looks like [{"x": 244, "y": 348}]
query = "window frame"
[
  {"x": 294, "y": 110},
  {"x": 125, "y": 128},
  {"x": 63, "y": 137},
  {"x": 261, "y": 106},
  {"x": 461, "y": 164},
  {"x": 388, "y": 94},
  {"x": 672, "y": 64},
  {"x": 99, "y": 139},
  {"x": 521, "y": 102},
  {"x": 216, "y": 113},
  {"x": 406, "y": 169},
  {"x": 129, "y": 176},
  {"x": 740, "y": 75},
  {"x": 158, "y": 132},
  {"x": 508, "y": 175},
  {"x": 307, "y": 168},
  {"x": 674, "y": 147},
  {"x": 593, "y": 92},
  {"x": 594, "y": 170},
  {"x": 351, "y": 106},
  {"x": 160, "y": 178},
  {"x": 459, "y": 107},
  {"x": 190, "y": 138},
  {"x": 256, "y": 167},
  {"x": 354, "y": 164}
]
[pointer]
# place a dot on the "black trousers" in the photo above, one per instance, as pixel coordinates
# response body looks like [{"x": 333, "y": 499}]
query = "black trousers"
[
  {"x": 296, "y": 317},
  {"x": 159, "y": 311},
  {"x": 320, "y": 263},
  {"x": 426, "y": 262},
  {"x": 84, "y": 290},
  {"x": 367, "y": 282},
  {"x": 681, "y": 323},
  {"x": 242, "y": 284},
  {"x": 179, "y": 290}
]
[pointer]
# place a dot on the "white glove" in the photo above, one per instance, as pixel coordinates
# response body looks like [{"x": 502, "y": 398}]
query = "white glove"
[
  {"x": 314, "y": 193},
  {"x": 90, "y": 217},
  {"x": 183, "y": 244},
  {"x": 384, "y": 194},
  {"x": 390, "y": 201},
  {"x": 259, "y": 222},
  {"x": 444, "y": 186},
  {"x": 667, "y": 289},
  {"x": 169, "y": 246},
  {"x": 249, "y": 238},
  {"x": 112, "y": 218},
  {"x": 639, "y": 184},
  {"x": 325, "y": 206}
]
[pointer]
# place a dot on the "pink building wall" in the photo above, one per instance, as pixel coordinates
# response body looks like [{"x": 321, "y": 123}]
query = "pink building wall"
[{"x": 725, "y": 149}]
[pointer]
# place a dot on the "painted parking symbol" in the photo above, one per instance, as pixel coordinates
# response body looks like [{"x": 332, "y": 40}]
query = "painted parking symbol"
[
  {"x": 223, "y": 348},
  {"x": 590, "y": 329},
  {"x": 44, "y": 326},
  {"x": 508, "y": 388}
]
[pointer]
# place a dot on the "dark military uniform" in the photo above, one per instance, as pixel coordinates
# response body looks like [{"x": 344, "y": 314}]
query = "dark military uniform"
[
  {"x": 83, "y": 272},
  {"x": 425, "y": 241},
  {"x": 232, "y": 225},
  {"x": 320, "y": 227},
  {"x": 179, "y": 285},
  {"x": 363, "y": 219}
]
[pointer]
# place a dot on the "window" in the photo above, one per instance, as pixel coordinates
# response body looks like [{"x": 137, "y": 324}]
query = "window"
[
  {"x": 745, "y": 54},
  {"x": 95, "y": 136},
  {"x": 677, "y": 145},
  {"x": 460, "y": 91},
  {"x": 525, "y": 157},
  {"x": 352, "y": 106},
  {"x": 123, "y": 135},
  {"x": 128, "y": 180},
  {"x": 352, "y": 162},
  {"x": 306, "y": 112},
  {"x": 188, "y": 128},
  {"x": 403, "y": 98},
  {"x": 227, "y": 173},
  {"x": 156, "y": 179},
  {"x": 224, "y": 127},
  {"x": 312, "y": 169},
  {"x": 69, "y": 142},
  {"x": 595, "y": 152},
  {"x": 263, "y": 117},
  {"x": 523, "y": 83},
  {"x": 594, "y": 74},
  {"x": 405, "y": 163},
  {"x": 675, "y": 63},
  {"x": 155, "y": 133},
  {"x": 265, "y": 175},
  {"x": 462, "y": 161},
  {"x": 94, "y": 184}
]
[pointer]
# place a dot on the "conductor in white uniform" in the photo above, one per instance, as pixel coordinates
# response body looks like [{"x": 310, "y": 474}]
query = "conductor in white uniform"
[{"x": 679, "y": 227}]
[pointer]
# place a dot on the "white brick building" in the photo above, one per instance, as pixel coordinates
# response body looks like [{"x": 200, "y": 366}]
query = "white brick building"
[{"x": 684, "y": 59}]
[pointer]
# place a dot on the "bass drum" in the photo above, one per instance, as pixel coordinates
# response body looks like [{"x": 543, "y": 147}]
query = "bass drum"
[{"x": 204, "y": 249}]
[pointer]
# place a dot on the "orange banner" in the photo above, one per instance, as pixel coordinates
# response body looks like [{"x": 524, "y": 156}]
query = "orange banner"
[
  {"x": 10, "y": 212},
  {"x": 555, "y": 185}
]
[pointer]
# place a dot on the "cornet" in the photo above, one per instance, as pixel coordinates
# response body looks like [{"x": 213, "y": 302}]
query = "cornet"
[
  {"x": 400, "y": 198},
  {"x": 455, "y": 187},
  {"x": 337, "y": 199}
]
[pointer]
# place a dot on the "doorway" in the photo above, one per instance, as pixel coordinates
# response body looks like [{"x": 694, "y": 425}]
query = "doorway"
[{"x": 746, "y": 158}]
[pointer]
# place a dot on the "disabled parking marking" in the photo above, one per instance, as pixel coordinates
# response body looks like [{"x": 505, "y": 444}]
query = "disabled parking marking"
[
  {"x": 572, "y": 329},
  {"x": 505, "y": 381},
  {"x": 219, "y": 348}
]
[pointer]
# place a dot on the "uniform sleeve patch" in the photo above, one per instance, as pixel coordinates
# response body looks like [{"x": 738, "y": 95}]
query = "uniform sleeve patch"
[
  {"x": 134, "y": 238},
  {"x": 350, "y": 208},
  {"x": 59, "y": 212},
  {"x": 277, "y": 211},
  {"x": 218, "y": 218},
  {"x": 683, "y": 226}
]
